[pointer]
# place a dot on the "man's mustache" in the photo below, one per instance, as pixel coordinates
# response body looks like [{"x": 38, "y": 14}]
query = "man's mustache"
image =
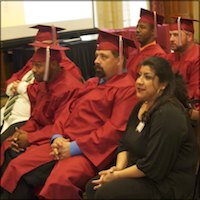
[{"x": 97, "y": 66}]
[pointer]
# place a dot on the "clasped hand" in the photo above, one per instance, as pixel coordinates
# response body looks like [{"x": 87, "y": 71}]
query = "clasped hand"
[
  {"x": 60, "y": 148},
  {"x": 19, "y": 140},
  {"x": 105, "y": 176}
]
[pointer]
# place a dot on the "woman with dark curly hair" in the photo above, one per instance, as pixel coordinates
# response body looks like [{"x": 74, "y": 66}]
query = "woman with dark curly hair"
[{"x": 157, "y": 154}]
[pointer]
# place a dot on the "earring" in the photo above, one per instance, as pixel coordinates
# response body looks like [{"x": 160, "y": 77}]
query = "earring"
[{"x": 158, "y": 91}]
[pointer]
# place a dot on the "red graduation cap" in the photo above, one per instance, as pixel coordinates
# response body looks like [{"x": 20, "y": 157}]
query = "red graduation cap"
[
  {"x": 184, "y": 24},
  {"x": 46, "y": 33},
  {"x": 150, "y": 17},
  {"x": 113, "y": 40},
  {"x": 128, "y": 36},
  {"x": 47, "y": 53}
]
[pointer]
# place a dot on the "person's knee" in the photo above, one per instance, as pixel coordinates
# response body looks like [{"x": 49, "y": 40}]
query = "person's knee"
[
  {"x": 89, "y": 189},
  {"x": 105, "y": 192},
  {"x": 4, "y": 194}
]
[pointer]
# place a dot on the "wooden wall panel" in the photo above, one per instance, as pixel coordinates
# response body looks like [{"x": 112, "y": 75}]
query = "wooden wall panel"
[
  {"x": 173, "y": 8},
  {"x": 178, "y": 8},
  {"x": 169, "y": 8}
]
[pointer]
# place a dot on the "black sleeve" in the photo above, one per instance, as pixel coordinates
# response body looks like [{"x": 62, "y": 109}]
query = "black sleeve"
[{"x": 167, "y": 130}]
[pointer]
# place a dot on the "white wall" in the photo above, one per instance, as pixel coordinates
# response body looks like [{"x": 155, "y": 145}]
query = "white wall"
[{"x": 17, "y": 16}]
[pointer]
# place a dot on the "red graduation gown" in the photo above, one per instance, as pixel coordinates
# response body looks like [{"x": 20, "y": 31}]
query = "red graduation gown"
[
  {"x": 49, "y": 99},
  {"x": 188, "y": 65},
  {"x": 47, "y": 103},
  {"x": 137, "y": 56},
  {"x": 95, "y": 119}
]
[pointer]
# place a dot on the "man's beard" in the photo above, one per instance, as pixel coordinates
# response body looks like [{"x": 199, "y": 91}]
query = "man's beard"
[
  {"x": 179, "y": 49},
  {"x": 38, "y": 78},
  {"x": 99, "y": 72}
]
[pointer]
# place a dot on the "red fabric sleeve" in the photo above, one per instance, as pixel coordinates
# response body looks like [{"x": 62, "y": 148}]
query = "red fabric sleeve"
[{"x": 99, "y": 145}]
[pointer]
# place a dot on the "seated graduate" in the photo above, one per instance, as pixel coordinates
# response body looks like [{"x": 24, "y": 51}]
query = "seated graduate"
[
  {"x": 157, "y": 155},
  {"x": 84, "y": 137},
  {"x": 55, "y": 86},
  {"x": 146, "y": 35},
  {"x": 185, "y": 55},
  {"x": 12, "y": 113},
  {"x": 16, "y": 88}
]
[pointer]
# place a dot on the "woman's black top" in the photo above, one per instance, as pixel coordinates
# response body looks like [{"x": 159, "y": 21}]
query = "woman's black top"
[{"x": 165, "y": 149}]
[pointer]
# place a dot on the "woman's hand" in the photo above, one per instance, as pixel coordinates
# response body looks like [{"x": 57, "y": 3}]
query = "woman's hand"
[
  {"x": 106, "y": 176},
  {"x": 112, "y": 169}
]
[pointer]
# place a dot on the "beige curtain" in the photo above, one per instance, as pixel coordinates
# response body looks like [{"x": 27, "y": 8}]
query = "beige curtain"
[
  {"x": 109, "y": 14},
  {"x": 196, "y": 6}
]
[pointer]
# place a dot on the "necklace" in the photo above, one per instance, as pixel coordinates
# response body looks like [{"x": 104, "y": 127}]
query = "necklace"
[{"x": 144, "y": 108}]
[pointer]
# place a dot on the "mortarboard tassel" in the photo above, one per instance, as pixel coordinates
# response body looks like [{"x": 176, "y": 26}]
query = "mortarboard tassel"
[
  {"x": 155, "y": 23},
  {"x": 54, "y": 37},
  {"x": 46, "y": 72},
  {"x": 179, "y": 30},
  {"x": 120, "y": 52}
]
